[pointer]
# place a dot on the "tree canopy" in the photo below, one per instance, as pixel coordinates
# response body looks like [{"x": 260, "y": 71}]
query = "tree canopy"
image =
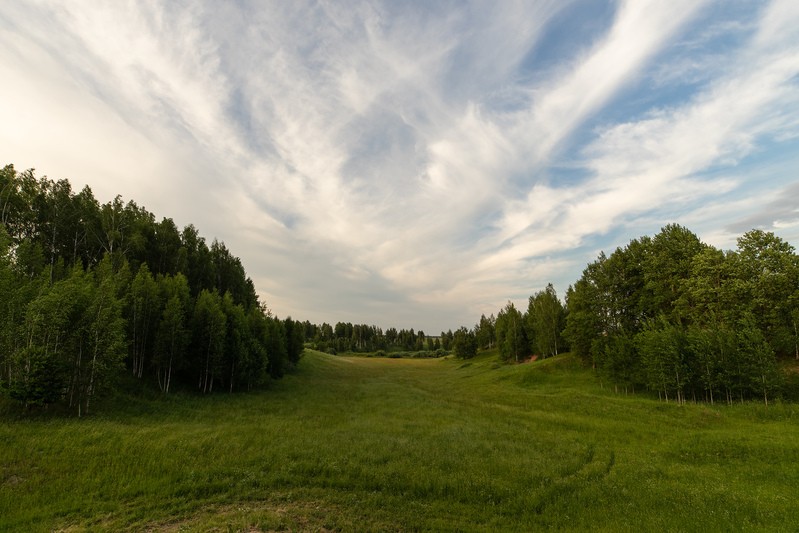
[
  {"x": 685, "y": 319},
  {"x": 90, "y": 289}
]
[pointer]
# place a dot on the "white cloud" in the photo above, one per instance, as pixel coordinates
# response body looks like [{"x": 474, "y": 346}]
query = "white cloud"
[
  {"x": 385, "y": 162},
  {"x": 553, "y": 218},
  {"x": 656, "y": 162},
  {"x": 639, "y": 31}
]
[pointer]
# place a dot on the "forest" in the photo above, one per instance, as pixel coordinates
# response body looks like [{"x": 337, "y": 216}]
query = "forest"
[
  {"x": 667, "y": 314},
  {"x": 672, "y": 315},
  {"x": 690, "y": 321},
  {"x": 90, "y": 289},
  {"x": 363, "y": 338}
]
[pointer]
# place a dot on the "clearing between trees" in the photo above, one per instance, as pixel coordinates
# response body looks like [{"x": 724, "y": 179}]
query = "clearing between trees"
[{"x": 406, "y": 444}]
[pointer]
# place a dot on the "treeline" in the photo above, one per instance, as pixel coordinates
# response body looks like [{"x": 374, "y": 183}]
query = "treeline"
[
  {"x": 89, "y": 290},
  {"x": 536, "y": 332},
  {"x": 362, "y": 338},
  {"x": 518, "y": 336},
  {"x": 680, "y": 317},
  {"x": 670, "y": 314}
]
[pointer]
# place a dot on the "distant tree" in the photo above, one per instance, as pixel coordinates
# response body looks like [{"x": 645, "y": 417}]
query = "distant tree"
[
  {"x": 104, "y": 341},
  {"x": 511, "y": 338},
  {"x": 12, "y": 306},
  {"x": 294, "y": 340},
  {"x": 209, "y": 323},
  {"x": 165, "y": 251},
  {"x": 464, "y": 343},
  {"x": 708, "y": 347},
  {"x": 420, "y": 341},
  {"x": 759, "y": 371},
  {"x": 51, "y": 359},
  {"x": 144, "y": 308},
  {"x": 583, "y": 324},
  {"x": 84, "y": 239},
  {"x": 486, "y": 334},
  {"x": 173, "y": 334},
  {"x": 621, "y": 362},
  {"x": 237, "y": 345},
  {"x": 663, "y": 352},
  {"x": 768, "y": 268},
  {"x": 446, "y": 340},
  {"x": 545, "y": 321},
  {"x": 667, "y": 265},
  {"x": 276, "y": 346},
  {"x": 254, "y": 369}
]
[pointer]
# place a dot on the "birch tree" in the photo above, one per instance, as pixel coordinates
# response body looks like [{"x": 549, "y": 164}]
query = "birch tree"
[
  {"x": 209, "y": 337},
  {"x": 173, "y": 334},
  {"x": 143, "y": 312}
]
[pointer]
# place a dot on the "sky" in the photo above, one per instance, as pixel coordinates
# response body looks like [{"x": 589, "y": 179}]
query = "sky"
[{"x": 414, "y": 164}]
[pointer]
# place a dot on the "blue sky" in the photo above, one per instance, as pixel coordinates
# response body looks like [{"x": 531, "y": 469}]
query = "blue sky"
[{"x": 414, "y": 164}]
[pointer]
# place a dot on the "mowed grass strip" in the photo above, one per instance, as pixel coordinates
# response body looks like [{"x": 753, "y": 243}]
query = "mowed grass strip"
[{"x": 403, "y": 444}]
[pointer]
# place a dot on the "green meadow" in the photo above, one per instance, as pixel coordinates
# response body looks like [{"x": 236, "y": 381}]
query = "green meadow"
[{"x": 348, "y": 443}]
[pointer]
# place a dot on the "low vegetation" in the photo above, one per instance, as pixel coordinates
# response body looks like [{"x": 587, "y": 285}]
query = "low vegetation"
[{"x": 406, "y": 444}]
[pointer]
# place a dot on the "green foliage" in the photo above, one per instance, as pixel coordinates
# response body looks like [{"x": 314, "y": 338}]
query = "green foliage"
[
  {"x": 72, "y": 309},
  {"x": 464, "y": 344},
  {"x": 446, "y": 340},
  {"x": 362, "y": 338},
  {"x": 712, "y": 348},
  {"x": 209, "y": 322},
  {"x": 583, "y": 323},
  {"x": 486, "y": 332},
  {"x": 105, "y": 343},
  {"x": 174, "y": 334},
  {"x": 511, "y": 337},
  {"x": 73, "y": 343},
  {"x": 294, "y": 341},
  {"x": 705, "y": 322},
  {"x": 143, "y": 309},
  {"x": 758, "y": 366},
  {"x": 276, "y": 347},
  {"x": 664, "y": 355},
  {"x": 38, "y": 377},
  {"x": 544, "y": 322}
]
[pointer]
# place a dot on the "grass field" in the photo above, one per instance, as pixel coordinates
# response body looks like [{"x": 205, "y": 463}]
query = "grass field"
[{"x": 403, "y": 444}]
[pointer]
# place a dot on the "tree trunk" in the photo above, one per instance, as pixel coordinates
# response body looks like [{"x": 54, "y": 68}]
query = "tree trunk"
[
  {"x": 90, "y": 389},
  {"x": 76, "y": 375},
  {"x": 135, "y": 330},
  {"x": 169, "y": 374},
  {"x": 52, "y": 247},
  {"x": 207, "y": 365},
  {"x": 143, "y": 346},
  {"x": 796, "y": 340}
]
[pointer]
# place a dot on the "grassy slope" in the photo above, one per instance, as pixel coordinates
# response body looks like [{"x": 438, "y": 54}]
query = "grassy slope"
[{"x": 383, "y": 444}]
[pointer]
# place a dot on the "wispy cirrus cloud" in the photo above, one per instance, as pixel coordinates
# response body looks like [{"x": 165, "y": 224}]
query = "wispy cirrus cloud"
[
  {"x": 412, "y": 164},
  {"x": 659, "y": 162}
]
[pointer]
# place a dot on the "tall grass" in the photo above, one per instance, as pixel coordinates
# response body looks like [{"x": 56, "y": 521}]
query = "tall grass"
[{"x": 400, "y": 444}]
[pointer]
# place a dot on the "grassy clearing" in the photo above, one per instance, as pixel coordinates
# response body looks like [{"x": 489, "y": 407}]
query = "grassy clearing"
[{"x": 406, "y": 444}]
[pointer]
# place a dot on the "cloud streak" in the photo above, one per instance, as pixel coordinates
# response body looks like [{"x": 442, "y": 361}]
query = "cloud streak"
[{"x": 410, "y": 164}]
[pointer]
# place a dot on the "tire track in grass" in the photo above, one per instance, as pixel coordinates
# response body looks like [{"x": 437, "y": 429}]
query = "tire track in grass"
[{"x": 588, "y": 470}]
